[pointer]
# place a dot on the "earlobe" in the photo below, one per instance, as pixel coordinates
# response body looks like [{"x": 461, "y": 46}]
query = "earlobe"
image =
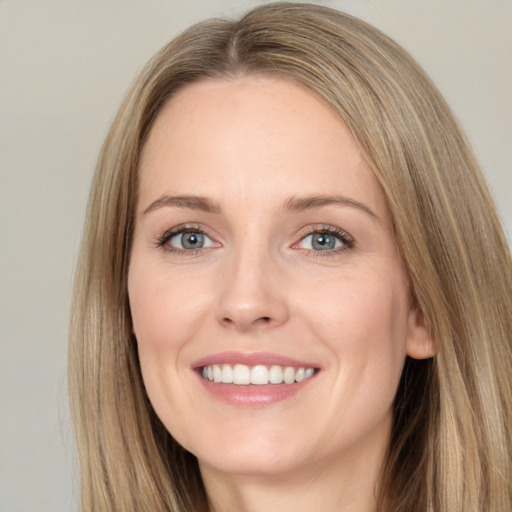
[{"x": 420, "y": 344}]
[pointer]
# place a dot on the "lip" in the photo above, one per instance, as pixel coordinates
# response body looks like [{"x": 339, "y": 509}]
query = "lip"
[
  {"x": 252, "y": 359},
  {"x": 256, "y": 396}
]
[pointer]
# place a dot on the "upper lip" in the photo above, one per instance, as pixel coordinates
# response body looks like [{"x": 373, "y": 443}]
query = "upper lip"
[{"x": 252, "y": 359}]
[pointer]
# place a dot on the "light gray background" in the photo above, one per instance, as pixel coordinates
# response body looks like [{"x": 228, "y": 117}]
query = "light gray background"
[{"x": 64, "y": 67}]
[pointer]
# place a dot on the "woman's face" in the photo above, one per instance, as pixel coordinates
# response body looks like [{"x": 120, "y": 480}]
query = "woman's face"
[{"x": 264, "y": 250}]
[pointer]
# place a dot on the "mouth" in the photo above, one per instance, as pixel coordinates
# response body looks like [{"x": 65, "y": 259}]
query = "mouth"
[
  {"x": 258, "y": 375},
  {"x": 254, "y": 379}
]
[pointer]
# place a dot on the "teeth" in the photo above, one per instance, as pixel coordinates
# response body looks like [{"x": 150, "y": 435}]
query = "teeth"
[
  {"x": 241, "y": 374},
  {"x": 258, "y": 375},
  {"x": 275, "y": 375},
  {"x": 299, "y": 375},
  {"x": 289, "y": 375},
  {"x": 227, "y": 374}
]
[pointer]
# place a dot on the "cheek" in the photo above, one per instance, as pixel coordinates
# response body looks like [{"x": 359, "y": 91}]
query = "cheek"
[
  {"x": 164, "y": 309},
  {"x": 359, "y": 305},
  {"x": 365, "y": 328},
  {"x": 363, "y": 322},
  {"x": 167, "y": 312},
  {"x": 154, "y": 310},
  {"x": 162, "y": 324}
]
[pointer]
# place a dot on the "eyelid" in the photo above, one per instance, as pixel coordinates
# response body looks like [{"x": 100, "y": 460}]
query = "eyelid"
[
  {"x": 347, "y": 240},
  {"x": 208, "y": 242},
  {"x": 337, "y": 241},
  {"x": 162, "y": 241}
]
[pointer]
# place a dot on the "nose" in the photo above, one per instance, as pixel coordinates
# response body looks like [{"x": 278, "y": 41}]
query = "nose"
[{"x": 251, "y": 292}]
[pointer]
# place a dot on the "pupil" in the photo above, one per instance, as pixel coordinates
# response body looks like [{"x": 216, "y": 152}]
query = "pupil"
[
  {"x": 192, "y": 240},
  {"x": 323, "y": 241}
]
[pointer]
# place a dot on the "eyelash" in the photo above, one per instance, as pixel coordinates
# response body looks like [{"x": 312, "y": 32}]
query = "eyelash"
[
  {"x": 163, "y": 240},
  {"x": 346, "y": 240}
]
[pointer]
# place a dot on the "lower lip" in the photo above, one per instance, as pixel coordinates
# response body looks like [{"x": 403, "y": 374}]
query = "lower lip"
[{"x": 254, "y": 395}]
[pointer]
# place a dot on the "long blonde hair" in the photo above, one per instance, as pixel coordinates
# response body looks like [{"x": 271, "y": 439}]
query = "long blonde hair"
[{"x": 451, "y": 446}]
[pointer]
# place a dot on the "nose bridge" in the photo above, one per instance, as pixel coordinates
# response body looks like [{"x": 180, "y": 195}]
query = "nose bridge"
[{"x": 250, "y": 292}]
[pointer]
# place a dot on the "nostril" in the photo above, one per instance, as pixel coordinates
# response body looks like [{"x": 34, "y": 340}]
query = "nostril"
[{"x": 262, "y": 320}]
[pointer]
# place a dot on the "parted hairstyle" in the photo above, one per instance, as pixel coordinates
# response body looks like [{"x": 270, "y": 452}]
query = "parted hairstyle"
[{"x": 451, "y": 442}]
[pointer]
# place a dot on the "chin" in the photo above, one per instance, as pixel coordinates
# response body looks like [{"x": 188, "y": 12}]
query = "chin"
[
  {"x": 249, "y": 455},
  {"x": 255, "y": 465}
]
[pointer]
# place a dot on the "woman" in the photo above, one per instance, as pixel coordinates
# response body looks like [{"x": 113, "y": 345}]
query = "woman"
[{"x": 293, "y": 290}]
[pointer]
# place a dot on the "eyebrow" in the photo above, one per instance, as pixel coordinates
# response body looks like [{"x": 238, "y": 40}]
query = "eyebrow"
[
  {"x": 293, "y": 204},
  {"x": 299, "y": 204},
  {"x": 186, "y": 202}
]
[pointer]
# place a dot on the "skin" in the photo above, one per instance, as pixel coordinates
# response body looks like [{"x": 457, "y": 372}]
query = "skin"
[{"x": 248, "y": 145}]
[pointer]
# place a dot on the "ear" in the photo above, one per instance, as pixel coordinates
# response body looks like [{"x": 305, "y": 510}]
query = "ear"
[{"x": 420, "y": 344}]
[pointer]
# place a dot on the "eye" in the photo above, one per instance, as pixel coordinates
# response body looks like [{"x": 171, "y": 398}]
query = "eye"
[
  {"x": 327, "y": 239},
  {"x": 190, "y": 240},
  {"x": 185, "y": 239},
  {"x": 320, "y": 242}
]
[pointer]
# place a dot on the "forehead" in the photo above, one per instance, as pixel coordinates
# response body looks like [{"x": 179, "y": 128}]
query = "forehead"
[
  {"x": 247, "y": 104},
  {"x": 249, "y": 136}
]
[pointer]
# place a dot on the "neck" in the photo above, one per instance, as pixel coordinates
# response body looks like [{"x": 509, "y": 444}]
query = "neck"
[{"x": 349, "y": 485}]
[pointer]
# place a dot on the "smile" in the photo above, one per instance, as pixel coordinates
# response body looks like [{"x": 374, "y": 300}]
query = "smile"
[{"x": 260, "y": 375}]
